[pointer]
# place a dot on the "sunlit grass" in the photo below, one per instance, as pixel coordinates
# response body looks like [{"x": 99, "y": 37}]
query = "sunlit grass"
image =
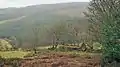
[{"x": 13, "y": 54}]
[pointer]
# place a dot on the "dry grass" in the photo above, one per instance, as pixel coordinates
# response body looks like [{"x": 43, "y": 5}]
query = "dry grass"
[{"x": 13, "y": 54}]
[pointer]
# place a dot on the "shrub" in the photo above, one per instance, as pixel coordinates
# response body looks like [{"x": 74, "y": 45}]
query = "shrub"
[
  {"x": 51, "y": 48},
  {"x": 109, "y": 19},
  {"x": 97, "y": 47},
  {"x": 4, "y": 45},
  {"x": 62, "y": 48},
  {"x": 112, "y": 55}
]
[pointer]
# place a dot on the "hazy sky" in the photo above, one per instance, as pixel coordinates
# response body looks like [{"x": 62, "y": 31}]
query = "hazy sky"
[{"x": 19, "y": 3}]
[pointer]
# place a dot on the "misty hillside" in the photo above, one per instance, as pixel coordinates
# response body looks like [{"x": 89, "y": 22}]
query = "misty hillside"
[{"x": 16, "y": 21}]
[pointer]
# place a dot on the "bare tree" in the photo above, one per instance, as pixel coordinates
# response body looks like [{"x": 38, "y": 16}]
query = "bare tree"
[
  {"x": 20, "y": 41},
  {"x": 75, "y": 32},
  {"x": 58, "y": 34},
  {"x": 36, "y": 34}
]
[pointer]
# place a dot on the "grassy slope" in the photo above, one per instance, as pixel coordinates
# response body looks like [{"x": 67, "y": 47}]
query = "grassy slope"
[
  {"x": 11, "y": 22},
  {"x": 13, "y": 54}
]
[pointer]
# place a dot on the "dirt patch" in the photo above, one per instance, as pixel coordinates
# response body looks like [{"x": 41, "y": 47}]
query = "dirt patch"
[{"x": 58, "y": 60}]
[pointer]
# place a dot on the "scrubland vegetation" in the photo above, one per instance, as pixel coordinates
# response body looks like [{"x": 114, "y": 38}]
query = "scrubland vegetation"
[{"x": 90, "y": 41}]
